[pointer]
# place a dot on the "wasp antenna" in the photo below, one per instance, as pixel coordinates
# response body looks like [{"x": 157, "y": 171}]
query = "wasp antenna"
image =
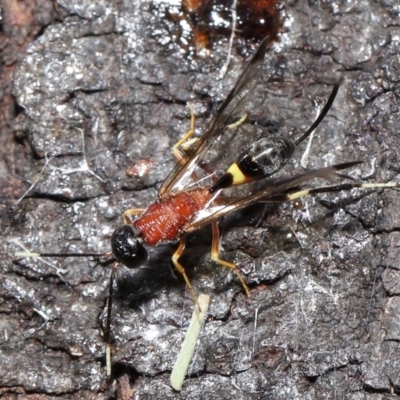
[
  {"x": 107, "y": 333},
  {"x": 321, "y": 116},
  {"x": 27, "y": 254},
  {"x": 346, "y": 165},
  {"x": 261, "y": 50}
]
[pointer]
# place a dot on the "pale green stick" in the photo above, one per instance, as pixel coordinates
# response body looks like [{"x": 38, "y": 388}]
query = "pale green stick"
[{"x": 189, "y": 344}]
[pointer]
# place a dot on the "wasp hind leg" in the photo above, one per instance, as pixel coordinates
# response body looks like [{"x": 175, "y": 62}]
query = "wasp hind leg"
[
  {"x": 237, "y": 123},
  {"x": 227, "y": 264},
  {"x": 331, "y": 189}
]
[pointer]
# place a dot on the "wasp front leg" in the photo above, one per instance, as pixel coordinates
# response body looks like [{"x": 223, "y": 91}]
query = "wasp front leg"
[{"x": 132, "y": 211}]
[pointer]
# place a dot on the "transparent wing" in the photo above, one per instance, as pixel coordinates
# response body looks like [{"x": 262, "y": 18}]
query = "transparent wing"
[
  {"x": 231, "y": 107},
  {"x": 271, "y": 192}
]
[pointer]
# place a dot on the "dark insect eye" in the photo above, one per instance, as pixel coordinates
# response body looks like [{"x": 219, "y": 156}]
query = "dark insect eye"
[{"x": 127, "y": 248}]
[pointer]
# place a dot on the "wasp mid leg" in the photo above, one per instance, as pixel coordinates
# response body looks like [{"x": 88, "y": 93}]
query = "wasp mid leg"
[
  {"x": 175, "y": 259},
  {"x": 227, "y": 264},
  {"x": 186, "y": 141},
  {"x": 178, "y": 154}
]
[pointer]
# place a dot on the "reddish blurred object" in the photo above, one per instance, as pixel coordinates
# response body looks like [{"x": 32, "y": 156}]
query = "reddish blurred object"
[{"x": 255, "y": 20}]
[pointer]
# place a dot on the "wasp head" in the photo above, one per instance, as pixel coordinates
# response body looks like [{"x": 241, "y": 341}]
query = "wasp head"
[{"x": 127, "y": 247}]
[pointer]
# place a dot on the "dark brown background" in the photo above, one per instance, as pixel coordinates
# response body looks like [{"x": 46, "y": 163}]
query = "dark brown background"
[{"x": 322, "y": 320}]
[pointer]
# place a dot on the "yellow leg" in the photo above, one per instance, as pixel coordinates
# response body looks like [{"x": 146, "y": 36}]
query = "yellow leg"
[
  {"x": 179, "y": 251},
  {"x": 185, "y": 142},
  {"x": 178, "y": 154},
  {"x": 133, "y": 211},
  {"x": 227, "y": 264},
  {"x": 238, "y": 122}
]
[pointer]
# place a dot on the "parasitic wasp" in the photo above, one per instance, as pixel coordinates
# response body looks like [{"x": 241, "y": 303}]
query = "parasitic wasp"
[{"x": 194, "y": 195}]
